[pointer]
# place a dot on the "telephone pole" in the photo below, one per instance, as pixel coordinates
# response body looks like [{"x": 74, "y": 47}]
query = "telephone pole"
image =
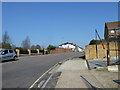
[
  {"x": 108, "y": 51},
  {"x": 96, "y": 44}
]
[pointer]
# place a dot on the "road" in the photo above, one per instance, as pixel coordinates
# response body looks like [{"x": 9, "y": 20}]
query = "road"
[{"x": 23, "y": 73}]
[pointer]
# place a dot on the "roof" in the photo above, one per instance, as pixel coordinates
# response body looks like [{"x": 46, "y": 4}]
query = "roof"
[
  {"x": 113, "y": 25},
  {"x": 67, "y": 43},
  {"x": 70, "y": 43}
]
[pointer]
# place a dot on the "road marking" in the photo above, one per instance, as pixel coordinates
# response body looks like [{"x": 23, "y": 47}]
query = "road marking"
[
  {"x": 48, "y": 71},
  {"x": 42, "y": 76},
  {"x": 44, "y": 85}
]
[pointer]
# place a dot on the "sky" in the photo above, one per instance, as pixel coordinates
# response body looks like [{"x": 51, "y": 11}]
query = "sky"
[{"x": 54, "y": 23}]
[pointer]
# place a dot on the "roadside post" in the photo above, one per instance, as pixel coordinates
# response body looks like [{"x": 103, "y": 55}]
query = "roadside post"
[
  {"x": 38, "y": 51},
  {"x": 18, "y": 52},
  {"x": 29, "y": 51}
]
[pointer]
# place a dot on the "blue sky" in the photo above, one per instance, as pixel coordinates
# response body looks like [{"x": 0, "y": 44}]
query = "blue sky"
[{"x": 56, "y": 23}]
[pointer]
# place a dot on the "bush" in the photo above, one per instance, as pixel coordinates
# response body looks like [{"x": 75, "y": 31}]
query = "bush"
[
  {"x": 18, "y": 48},
  {"x": 41, "y": 51},
  {"x": 33, "y": 51},
  {"x": 6, "y": 46},
  {"x": 93, "y": 42},
  {"x": 50, "y": 47},
  {"x": 24, "y": 51}
]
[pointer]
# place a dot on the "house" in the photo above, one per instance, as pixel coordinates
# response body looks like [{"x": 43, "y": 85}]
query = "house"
[
  {"x": 71, "y": 46},
  {"x": 112, "y": 34},
  {"x": 112, "y": 29}
]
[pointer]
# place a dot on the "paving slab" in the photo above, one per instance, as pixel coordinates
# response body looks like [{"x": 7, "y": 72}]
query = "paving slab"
[
  {"x": 73, "y": 65},
  {"x": 75, "y": 74},
  {"x": 70, "y": 77},
  {"x": 106, "y": 78}
]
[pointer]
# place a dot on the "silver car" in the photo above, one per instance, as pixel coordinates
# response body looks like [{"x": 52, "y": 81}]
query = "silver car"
[{"x": 7, "y": 54}]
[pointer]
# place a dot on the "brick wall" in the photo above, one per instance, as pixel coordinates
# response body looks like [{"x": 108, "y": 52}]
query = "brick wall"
[
  {"x": 92, "y": 53},
  {"x": 60, "y": 50}
]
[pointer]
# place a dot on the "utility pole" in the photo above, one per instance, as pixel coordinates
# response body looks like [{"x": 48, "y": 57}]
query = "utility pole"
[
  {"x": 100, "y": 39},
  {"x": 97, "y": 34},
  {"x": 96, "y": 44},
  {"x": 108, "y": 51}
]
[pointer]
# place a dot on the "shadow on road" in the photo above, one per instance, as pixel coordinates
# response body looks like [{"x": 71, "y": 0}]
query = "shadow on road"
[{"x": 9, "y": 61}]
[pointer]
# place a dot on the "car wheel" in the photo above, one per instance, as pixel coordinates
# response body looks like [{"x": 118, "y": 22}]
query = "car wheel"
[{"x": 15, "y": 58}]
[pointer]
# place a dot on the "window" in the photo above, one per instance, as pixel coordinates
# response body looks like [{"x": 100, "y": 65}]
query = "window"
[
  {"x": 112, "y": 31},
  {"x": 11, "y": 51},
  {"x": 5, "y": 51},
  {"x": 118, "y": 25}
]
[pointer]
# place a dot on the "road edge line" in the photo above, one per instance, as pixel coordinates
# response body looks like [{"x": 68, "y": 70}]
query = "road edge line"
[{"x": 42, "y": 76}]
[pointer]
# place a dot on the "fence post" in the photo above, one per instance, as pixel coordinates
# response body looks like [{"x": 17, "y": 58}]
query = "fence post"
[
  {"x": 38, "y": 51},
  {"x": 29, "y": 51},
  {"x": 18, "y": 52},
  {"x": 45, "y": 51}
]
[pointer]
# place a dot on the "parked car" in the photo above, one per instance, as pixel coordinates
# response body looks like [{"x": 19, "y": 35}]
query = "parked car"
[{"x": 7, "y": 54}]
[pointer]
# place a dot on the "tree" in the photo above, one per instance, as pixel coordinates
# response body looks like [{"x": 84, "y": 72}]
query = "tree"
[
  {"x": 50, "y": 47},
  {"x": 35, "y": 47},
  {"x": 6, "y": 41},
  {"x": 38, "y": 46},
  {"x": 13, "y": 46},
  {"x": 93, "y": 42},
  {"x": 42, "y": 46},
  {"x": 6, "y": 46},
  {"x": 0, "y": 45},
  {"x": 26, "y": 43},
  {"x": 6, "y": 38}
]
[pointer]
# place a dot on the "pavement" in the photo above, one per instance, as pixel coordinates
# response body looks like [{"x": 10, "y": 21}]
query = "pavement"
[
  {"x": 76, "y": 74},
  {"x": 71, "y": 72}
]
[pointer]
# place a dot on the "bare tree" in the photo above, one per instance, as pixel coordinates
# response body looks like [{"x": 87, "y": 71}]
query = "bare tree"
[
  {"x": 35, "y": 47},
  {"x": 6, "y": 38},
  {"x": 6, "y": 41},
  {"x": 26, "y": 43},
  {"x": 38, "y": 47},
  {"x": 42, "y": 47},
  {"x": 13, "y": 46}
]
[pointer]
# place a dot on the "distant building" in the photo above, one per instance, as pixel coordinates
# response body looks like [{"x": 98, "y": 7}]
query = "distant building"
[
  {"x": 112, "y": 29},
  {"x": 71, "y": 46},
  {"x": 60, "y": 50}
]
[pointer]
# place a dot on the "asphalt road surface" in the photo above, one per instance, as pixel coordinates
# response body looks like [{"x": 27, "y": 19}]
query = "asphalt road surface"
[{"x": 23, "y": 73}]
